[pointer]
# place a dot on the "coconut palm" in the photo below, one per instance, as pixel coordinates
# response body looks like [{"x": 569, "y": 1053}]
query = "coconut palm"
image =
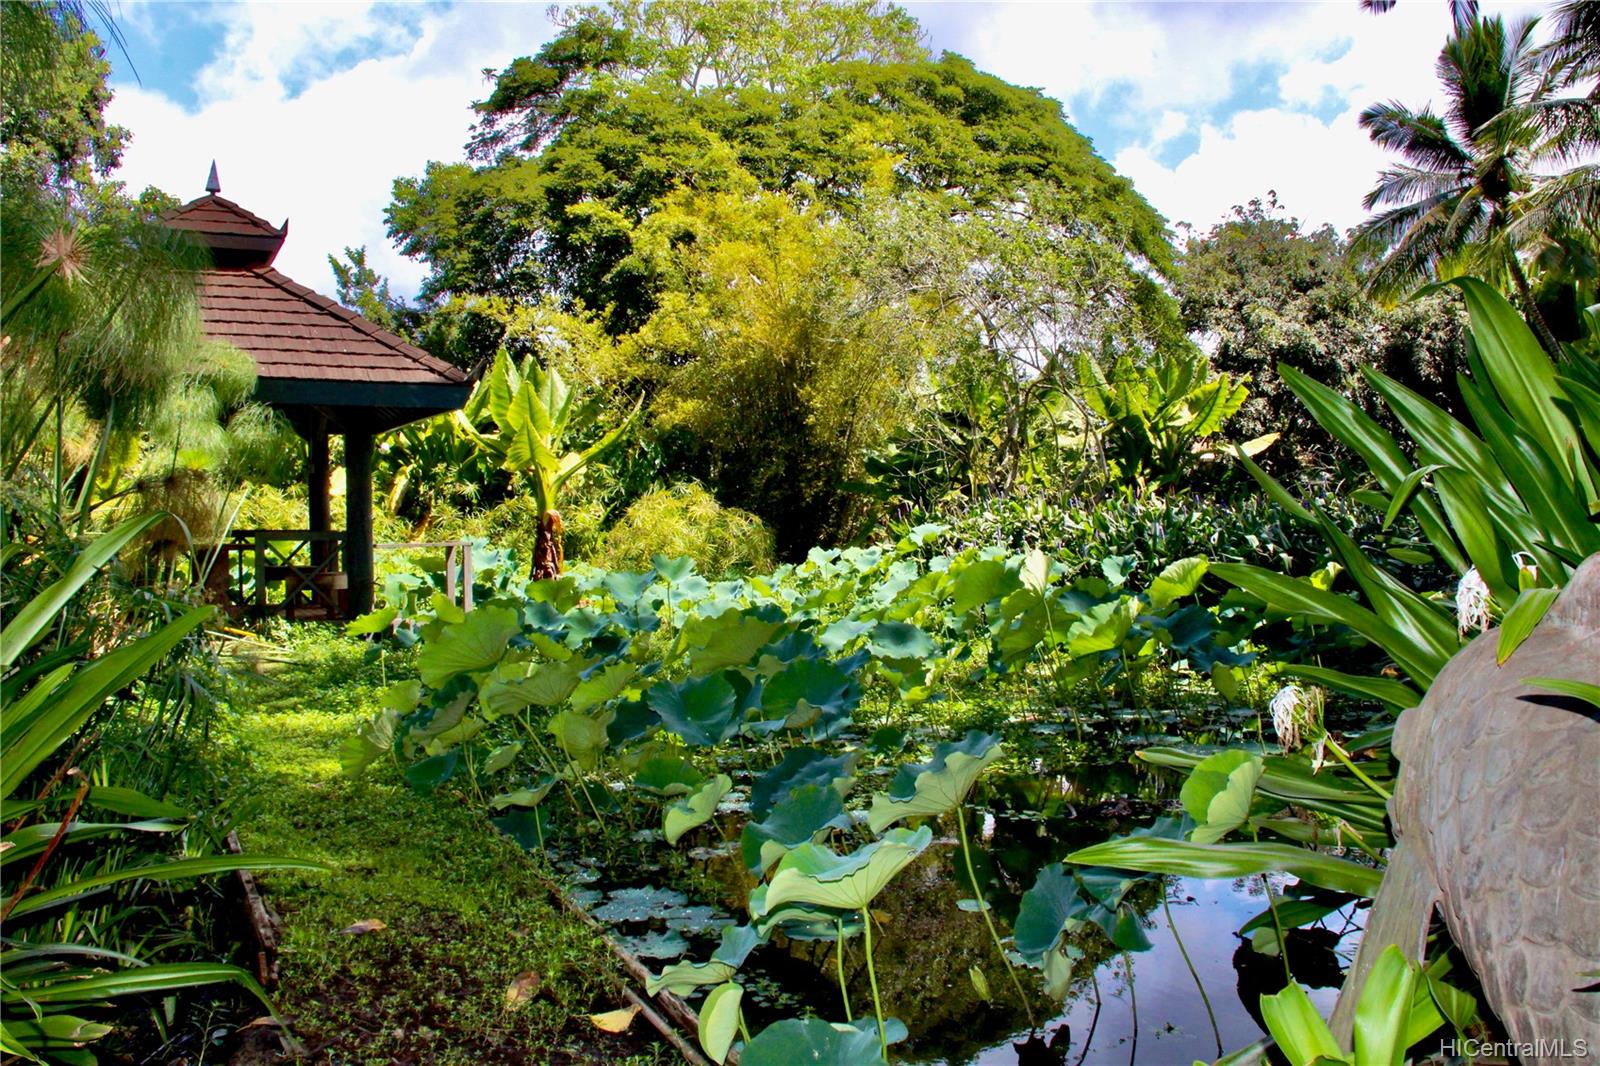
[{"x": 1450, "y": 206}]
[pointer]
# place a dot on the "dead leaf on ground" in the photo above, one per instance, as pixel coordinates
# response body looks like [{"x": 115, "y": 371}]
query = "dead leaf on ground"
[
  {"x": 364, "y": 926},
  {"x": 522, "y": 988},
  {"x": 264, "y": 1022},
  {"x": 615, "y": 1021}
]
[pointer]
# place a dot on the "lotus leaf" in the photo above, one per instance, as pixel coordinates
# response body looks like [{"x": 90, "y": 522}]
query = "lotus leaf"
[
  {"x": 668, "y": 775},
  {"x": 632, "y": 720},
  {"x": 698, "y": 919},
  {"x": 703, "y": 712},
  {"x": 425, "y": 775},
  {"x": 582, "y": 736},
  {"x": 719, "y": 1020},
  {"x": 813, "y": 683},
  {"x": 695, "y": 809},
  {"x": 900, "y": 640},
  {"x": 514, "y": 687},
  {"x": 731, "y": 638},
  {"x": 525, "y": 797},
  {"x": 1218, "y": 791},
  {"x": 502, "y": 757},
  {"x": 794, "y": 1041},
  {"x": 815, "y": 874},
  {"x": 369, "y": 743},
  {"x": 939, "y": 785},
  {"x": 605, "y": 684},
  {"x": 801, "y": 766},
  {"x": 799, "y": 922},
  {"x": 638, "y": 904},
  {"x": 1178, "y": 580},
  {"x": 674, "y": 570},
  {"x": 804, "y": 812},
  {"x": 526, "y": 825},
  {"x": 475, "y": 643},
  {"x": 981, "y": 582}
]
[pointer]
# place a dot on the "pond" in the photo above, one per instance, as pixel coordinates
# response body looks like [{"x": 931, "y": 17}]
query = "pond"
[{"x": 1145, "y": 1007}]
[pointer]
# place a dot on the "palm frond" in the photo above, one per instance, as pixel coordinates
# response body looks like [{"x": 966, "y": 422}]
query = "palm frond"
[{"x": 1420, "y": 136}]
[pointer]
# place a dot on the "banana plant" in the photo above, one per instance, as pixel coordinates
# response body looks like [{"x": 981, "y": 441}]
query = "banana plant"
[
  {"x": 1156, "y": 417},
  {"x": 538, "y": 418},
  {"x": 46, "y": 983}
]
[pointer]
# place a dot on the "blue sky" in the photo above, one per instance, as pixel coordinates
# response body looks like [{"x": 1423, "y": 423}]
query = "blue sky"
[{"x": 312, "y": 109}]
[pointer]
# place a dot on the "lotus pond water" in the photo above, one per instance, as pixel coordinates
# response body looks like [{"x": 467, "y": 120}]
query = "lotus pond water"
[{"x": 936, "y": 967}]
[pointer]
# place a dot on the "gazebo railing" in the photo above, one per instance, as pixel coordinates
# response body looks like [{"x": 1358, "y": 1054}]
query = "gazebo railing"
[{"x": 300, "y": 573}]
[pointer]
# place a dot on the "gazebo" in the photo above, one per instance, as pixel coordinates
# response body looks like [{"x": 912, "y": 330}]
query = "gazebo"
[{"x": 328, "y": 370}]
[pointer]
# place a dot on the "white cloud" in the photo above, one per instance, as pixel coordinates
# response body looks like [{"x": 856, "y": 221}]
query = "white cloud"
[
  {"x": 325, "y": 156},
  {"x": 1319, "y": 170}
]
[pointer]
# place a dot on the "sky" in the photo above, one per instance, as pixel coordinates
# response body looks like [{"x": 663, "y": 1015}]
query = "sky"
[{"x": 311, "y": 110}]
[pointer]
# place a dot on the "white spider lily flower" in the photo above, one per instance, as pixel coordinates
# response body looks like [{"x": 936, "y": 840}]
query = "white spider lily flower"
[
  {"x": 1295, "y": 713},
  {"x": 1527, "y": 564},
  {"x": 1472, "y": 602}
]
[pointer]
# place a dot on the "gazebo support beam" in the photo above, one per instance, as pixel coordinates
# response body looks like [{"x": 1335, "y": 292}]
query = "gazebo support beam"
[
  {"x": 317, "y": 474},
  {"x": 358, "y": 518}
]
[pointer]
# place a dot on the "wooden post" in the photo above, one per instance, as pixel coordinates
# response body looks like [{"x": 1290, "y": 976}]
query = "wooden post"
[
  {"x": 466, "y": 575},
  {"x": 358, "y": 518},
  {"x": 317, "y": 504},
  {"x": 450, "y": 573}
]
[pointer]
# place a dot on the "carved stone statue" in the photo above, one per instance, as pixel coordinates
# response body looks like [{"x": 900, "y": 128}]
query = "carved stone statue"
[{"x": 1497, "y": 817}]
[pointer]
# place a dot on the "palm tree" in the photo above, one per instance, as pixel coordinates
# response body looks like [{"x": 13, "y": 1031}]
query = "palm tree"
[{"x": 1449, "y": 208}]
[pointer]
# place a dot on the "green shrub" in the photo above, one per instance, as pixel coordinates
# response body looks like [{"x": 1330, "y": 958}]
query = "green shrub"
[{"x": 686, "y": 520}]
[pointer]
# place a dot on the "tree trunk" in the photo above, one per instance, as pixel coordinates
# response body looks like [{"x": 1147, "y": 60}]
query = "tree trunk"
[
  {"x": 1530, "y": 310},
  {"x": 548, "y": 556}
]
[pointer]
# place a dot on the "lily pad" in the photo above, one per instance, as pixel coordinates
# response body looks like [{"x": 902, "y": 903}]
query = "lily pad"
[
  {"x": 668, "y": 775},
  {"x": 637, "y": 904},
  {"x": 1218, "y": 791},
  {"x": 668, "y": 945}
]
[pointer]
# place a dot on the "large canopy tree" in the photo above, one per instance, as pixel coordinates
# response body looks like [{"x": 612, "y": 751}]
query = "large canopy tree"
[{"x": 608, "y": 173}]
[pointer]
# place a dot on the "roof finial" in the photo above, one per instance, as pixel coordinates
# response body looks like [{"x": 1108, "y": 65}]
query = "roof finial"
[{"x": 213, "y": 185}]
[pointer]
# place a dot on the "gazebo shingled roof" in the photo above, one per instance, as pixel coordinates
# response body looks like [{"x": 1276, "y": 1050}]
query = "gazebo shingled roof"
[{"x": 325, "y": 367}]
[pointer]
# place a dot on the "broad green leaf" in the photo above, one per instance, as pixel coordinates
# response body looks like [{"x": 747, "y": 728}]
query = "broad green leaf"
[
  {"x": 524, "y": 797},
  {"x": 1218, "y": 791},
  {"x": 373, "y": 740},
  {"x": 1302, "y": 1035},
  {"x": 979, "y": 582},
  {"x": 373, "y": 622},
  {"x": 937, "y": 786},
  {"x": 804, "y": 811},
  {"x": 731, "y": 638},
  {"x": 695, "y": 809},
  {"x": 899, "y": 640},
  {"x": 513, "y": 687},
  {"x": 133, "y": 803},
  {"x": 808, "y": 689},
  {"x": 704, "y": 711},
  {"x": 502, "y": 757},
  {"x": 719, "y": 1020},
  {"x": 668, "y": 775},
  {"x": 1396, "y": 694},
  {"x": 815, "y": 875},
  {"x": 793, "y": 1042},
  {"x": 144, "y": 980},
  {"x": 802, "y": 766},
  {"x": 1384, "y": 1010},
  {"x": 581, "y": 736},
  {"x": 426, "y": 775},
  {"x": 1178, "y": 580},
  {"x": 1526, "y": 613},
  {"x": 607, "y": 684},
  {"x": 1188, "y": 859},
  {"x": 476, "y": 643},
  {"x": 1047, "y": 911}
]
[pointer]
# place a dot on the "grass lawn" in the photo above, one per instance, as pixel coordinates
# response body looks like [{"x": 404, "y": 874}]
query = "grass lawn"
[{"x": 463, "y": 913}]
